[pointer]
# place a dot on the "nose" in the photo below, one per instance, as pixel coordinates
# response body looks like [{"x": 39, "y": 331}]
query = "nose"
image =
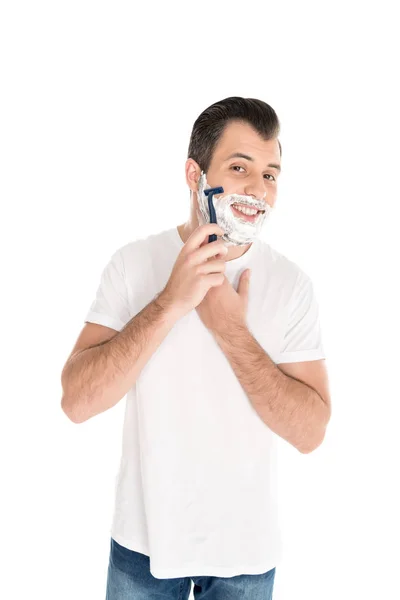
[{"x": 256, "y": 188}]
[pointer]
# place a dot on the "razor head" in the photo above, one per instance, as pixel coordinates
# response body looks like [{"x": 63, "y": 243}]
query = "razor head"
[{"x": 216, "y": 190}]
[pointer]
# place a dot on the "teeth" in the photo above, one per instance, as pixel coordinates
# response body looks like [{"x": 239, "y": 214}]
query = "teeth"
[{"x": 246, "y": 210}]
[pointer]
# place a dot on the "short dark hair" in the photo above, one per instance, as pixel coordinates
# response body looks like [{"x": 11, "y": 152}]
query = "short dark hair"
[{"x": 210, "y": 125}]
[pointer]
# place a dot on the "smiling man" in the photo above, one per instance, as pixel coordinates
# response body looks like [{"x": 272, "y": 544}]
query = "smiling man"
[
  {"x": 249, "y": 179},
  {"x": 217, "y": 345}
]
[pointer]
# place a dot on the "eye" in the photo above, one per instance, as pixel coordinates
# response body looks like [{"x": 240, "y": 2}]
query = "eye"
[{"x": 234, "y": 167}]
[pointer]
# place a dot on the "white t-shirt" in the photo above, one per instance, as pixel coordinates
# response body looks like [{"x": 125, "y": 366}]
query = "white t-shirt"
[{"x": 196, "y": 488}]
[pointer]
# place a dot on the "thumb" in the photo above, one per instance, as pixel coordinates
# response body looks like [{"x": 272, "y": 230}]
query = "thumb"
[{"x": 243, "y": 287}]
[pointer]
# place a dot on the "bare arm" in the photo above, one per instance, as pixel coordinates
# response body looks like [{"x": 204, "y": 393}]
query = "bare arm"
[
  {"x": 95, "y": 379},
  {"x": 291, "y": 408}
]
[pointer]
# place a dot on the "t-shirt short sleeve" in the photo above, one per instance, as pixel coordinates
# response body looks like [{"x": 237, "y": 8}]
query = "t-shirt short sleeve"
[
  {"x": 302, "y": 336},
  {"x": 111, "y": 304}
]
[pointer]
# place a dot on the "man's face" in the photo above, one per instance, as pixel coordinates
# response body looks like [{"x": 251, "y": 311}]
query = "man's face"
[
  {"x": 240, "y": 175},
  {"x": 244, "y": 164}
]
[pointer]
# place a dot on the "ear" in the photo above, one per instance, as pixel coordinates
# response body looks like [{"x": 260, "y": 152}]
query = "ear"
[{"x": 192, "y": 171}]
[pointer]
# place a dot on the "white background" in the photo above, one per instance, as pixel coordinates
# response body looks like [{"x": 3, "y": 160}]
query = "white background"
[{"x": 97, "y": 104}]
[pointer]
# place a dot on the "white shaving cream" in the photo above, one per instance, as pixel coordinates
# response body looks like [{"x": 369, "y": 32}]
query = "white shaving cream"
[{"x": 238, "y": 232}]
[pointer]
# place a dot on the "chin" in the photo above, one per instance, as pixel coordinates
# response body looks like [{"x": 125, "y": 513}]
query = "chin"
[{"x": 229, "y": 242}]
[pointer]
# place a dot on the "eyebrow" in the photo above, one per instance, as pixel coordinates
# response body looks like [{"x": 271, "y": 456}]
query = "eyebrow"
[{"x": 241, "y": 155}]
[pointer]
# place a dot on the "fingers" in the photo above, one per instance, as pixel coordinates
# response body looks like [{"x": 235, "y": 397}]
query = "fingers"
[
  {"x": 211, "y": 266},
  {"x": 200, "y": 235},
  {"x": 215, "y": 249}
]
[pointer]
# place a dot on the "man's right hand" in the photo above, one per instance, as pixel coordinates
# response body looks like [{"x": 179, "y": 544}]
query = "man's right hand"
[{"x": 193, "y": 274}]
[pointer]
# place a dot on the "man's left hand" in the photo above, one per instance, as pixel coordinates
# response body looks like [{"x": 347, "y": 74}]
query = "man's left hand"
[{"x": 223, "y": 307}]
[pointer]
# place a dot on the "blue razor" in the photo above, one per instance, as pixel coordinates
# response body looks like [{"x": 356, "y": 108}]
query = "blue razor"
[{"x": 213, "y": 217}]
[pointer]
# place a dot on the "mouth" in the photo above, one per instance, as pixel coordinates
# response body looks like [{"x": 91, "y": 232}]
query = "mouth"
[{"x": 250, "y": 215}]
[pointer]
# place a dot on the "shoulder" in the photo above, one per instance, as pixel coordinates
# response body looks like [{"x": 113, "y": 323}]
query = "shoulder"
[
  {"x": 140, "y": 254},
  {"x": 149, "y": 243}
]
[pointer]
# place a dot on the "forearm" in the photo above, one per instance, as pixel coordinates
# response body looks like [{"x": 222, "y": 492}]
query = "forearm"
[
  {"x": 98, "y": 377},
  {"x": 290, "y": 408}
]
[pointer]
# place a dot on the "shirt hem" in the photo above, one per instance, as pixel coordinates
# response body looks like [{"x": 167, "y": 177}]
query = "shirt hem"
[
  {"x": 135, "y": 547},
  {"x": 300, "y": 356},
  {"x": 195, "y": 570},
  {"x": 100, "y": 319}
]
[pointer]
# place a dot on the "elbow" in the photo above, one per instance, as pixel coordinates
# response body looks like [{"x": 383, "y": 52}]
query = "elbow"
[
  {"x": 314, "y": 441},
  {"x": 312, "y": 444},
  {"x": 70, "y": 402},
  {"x": 71, "y": 414},
  {"x": 307, "y": 449}
]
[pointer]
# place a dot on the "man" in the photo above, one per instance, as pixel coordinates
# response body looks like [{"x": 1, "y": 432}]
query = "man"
[{"x": 217, "y": 365}]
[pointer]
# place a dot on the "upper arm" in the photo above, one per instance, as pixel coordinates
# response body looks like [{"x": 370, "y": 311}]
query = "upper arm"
[
  {"x": 91, "y": 335},
  {"x": 313, "y": 373},
  {"x": 111, "y": 305},
  {"x": 302, "y": 339},
  {"x": 108, "y": 313},
  {"x": 302, "y": 354},
  {"x": 109, "y": 310}
]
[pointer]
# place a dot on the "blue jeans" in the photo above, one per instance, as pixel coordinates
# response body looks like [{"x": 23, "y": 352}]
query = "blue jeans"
[{"x": 129, "y": 578}]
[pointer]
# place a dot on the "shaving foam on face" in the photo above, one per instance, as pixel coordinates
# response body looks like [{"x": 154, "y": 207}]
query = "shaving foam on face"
[{"x": 238, "y": 232}]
